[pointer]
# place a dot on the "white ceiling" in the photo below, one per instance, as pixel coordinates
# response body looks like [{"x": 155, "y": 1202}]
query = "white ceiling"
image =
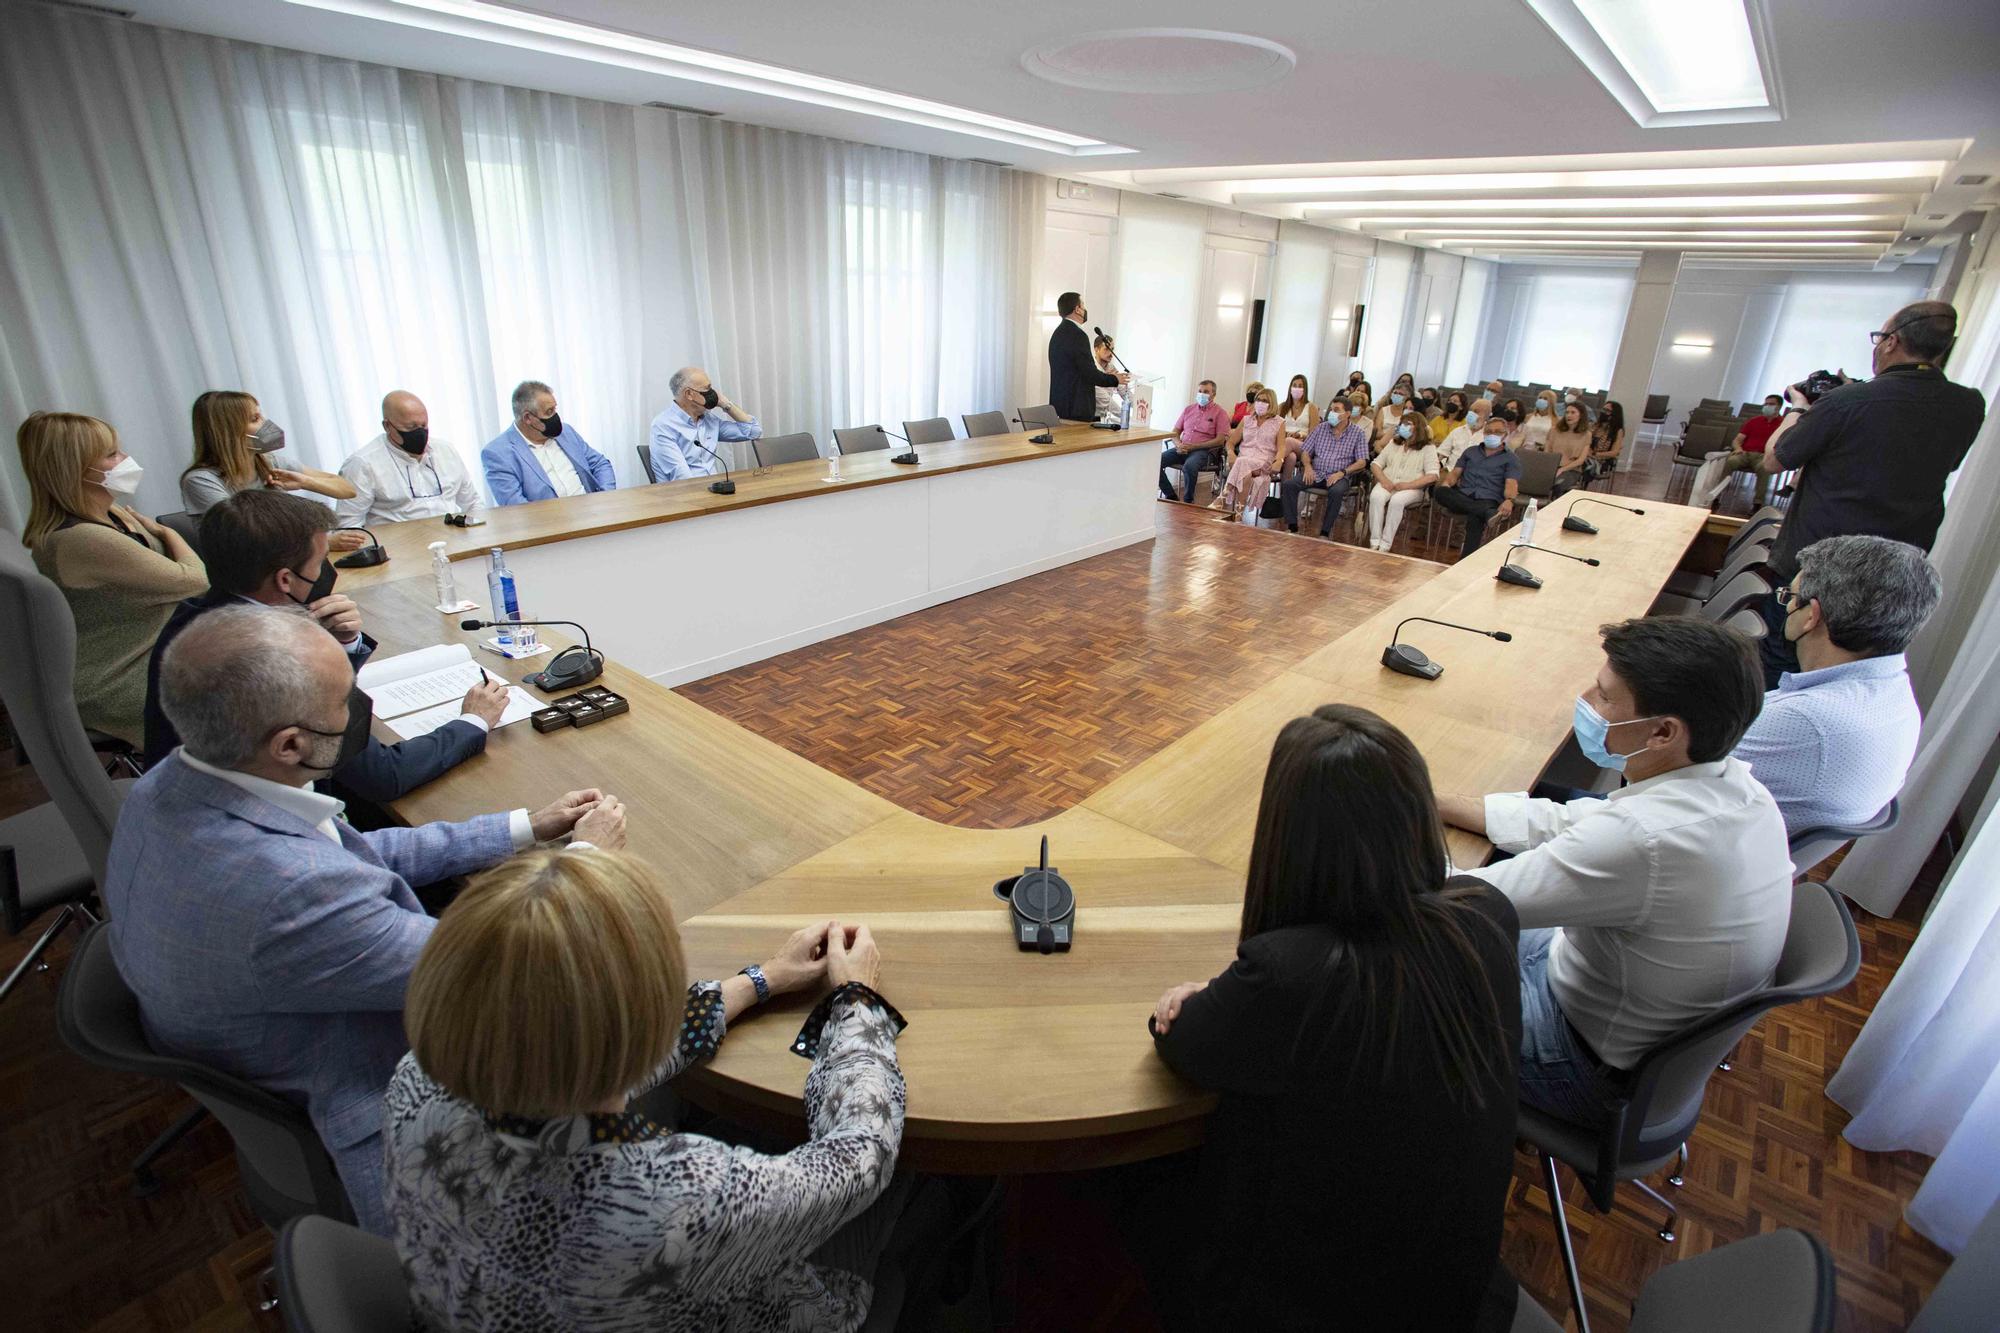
[{"x": 1374, "y": 90}]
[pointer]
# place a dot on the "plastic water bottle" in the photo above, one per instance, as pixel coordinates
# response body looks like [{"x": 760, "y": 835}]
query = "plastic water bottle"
[
  {"x": 500, "y": 589},
  {"x": 447, "y": 586},
  {"x": 1527, "y": 535},
  {"x": 1125, "y": 408},
  {"x": 833, "y": 464}
]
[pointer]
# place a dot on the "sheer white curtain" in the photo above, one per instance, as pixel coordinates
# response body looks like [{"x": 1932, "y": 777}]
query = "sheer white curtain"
[
  {"x": 185, "y": 213},
  {"x": 1161, "y": 259},
  {"x": 1297, "y": 322},
  {"x": 1573, "y": 325}
]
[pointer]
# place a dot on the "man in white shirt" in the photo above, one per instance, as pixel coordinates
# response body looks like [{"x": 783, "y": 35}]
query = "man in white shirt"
[
  {"x": 692, "y": 434},
  {"x": 1643, "y": 913},
  {"x": 540, "y": 457},
  {"x": 403, "y": 473},
  {"x": 1836, "y": 738}
]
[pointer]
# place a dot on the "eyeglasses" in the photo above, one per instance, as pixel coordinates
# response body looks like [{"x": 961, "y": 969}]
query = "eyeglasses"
[
  {"x": 1879, "y": 334},
  {"x": 1790, "y": 598},
  {"x": 410, "y": 476}
]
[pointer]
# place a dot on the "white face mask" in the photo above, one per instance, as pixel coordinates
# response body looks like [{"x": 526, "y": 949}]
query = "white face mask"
[{"x": 123, "y": 478}]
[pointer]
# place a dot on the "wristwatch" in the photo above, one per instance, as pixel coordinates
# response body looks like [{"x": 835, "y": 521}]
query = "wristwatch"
[{"x": 756, "y": 975}]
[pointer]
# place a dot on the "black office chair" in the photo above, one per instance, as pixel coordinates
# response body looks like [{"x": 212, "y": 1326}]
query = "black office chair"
[
  {"x": 1779, "y": 1282},
  {"x": 931, "y": 430},
  {"x": 981, "y": 424},
  {"x": 1040, "y": 418},
  {"x": 335, "y": 1278},
  {"x": 1813, "y": 845},
  {"x": 184, "y": 523},
  {"x": 776, "y": 449},
  {"x": 859, "y": 439},
  {"x": 1655, "y": 413},
  {"x": 646, "y": 461},
  {"x": 1649, "y": 1127},
  {"x": 284, "y": 1167}
]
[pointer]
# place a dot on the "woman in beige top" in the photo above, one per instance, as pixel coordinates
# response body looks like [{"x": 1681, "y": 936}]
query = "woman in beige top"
[
  {"x": 122, "y": 572},
  {"x": 1403, "y": 472},
  {"x": 236, "y": 447},
  {"x": 1570, "y": 437}
]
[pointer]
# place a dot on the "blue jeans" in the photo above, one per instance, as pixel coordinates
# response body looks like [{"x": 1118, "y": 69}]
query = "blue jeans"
[
  {"x": 1558, "y": 1073},
  {"x": 1192, "y": 463},
  {"x": 1294, "y": 484}
]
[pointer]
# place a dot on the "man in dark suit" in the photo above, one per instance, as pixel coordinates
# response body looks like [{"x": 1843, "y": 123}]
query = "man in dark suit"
[
  {"x": 1073, "y": 373},
  {"x": 269, "y": 547}
]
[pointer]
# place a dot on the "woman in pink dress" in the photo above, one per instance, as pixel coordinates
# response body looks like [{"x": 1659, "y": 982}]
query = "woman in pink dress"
[{"x": 1252, "y": 453}]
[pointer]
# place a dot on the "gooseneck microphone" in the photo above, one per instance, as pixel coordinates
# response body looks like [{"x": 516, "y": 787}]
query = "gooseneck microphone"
[
  {"x": 571, "y": 667},
  {"x": 1114, "y": 351},
  {"x": 1410, "y": 660},
  {"x": 725, "y": 486},
  {"x": 1573, "y": 524},
  {"x": 365, "y": 557},
  {"x": 1043, "y": 438},
  {"x": 909, "y": 456}
]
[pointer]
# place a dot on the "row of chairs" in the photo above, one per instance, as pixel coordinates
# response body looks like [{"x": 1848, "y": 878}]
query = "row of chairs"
[{"x": 801, "y": 447}]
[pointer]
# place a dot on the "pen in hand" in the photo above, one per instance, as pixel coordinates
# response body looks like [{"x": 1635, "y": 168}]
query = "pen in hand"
[{"x": 484, "y": 679}]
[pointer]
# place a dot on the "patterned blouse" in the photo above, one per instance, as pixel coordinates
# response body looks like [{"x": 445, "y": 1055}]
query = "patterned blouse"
[{"x": 612, "y": 1223}]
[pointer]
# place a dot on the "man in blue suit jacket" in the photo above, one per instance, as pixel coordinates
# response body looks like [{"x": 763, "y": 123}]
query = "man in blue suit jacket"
[
  {"x": 269, "y": 547},
  {"x": 262, "y": 935},
  {"x": 539, "y": 457}
]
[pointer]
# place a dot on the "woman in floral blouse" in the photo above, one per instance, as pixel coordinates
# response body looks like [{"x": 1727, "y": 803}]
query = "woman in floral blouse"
[{"x": 525, "y": 1195}]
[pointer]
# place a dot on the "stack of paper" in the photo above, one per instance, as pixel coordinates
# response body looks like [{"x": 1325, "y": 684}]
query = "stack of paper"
[{"x": 416, "y": 693}]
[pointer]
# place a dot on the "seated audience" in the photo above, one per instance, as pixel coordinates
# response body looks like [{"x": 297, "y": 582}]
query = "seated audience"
[
  {"x": 1427, "y": 399},
  {"x": 1513, "y": 412},
  {"x": 1197, "y": 444},
  {"x": 1836, "y": 737},
  {"x": 1373, "y": 997},
  {"x": 689, "y": 434},
  {"x": 1298, "y": 413},
  {"x": 526, "y": 1193},
  {"x": 1483, "y": 483},
  {"x": 1406, "y": 468},
  {"x": 237, "y": 447},
  {"x": 539, "y": 457},
  {"x": 264, "y": 547},
  {"x": 1363, "y": 415},
  {"x": 261, "y": 934},
  {"x": 1242, "y": 409},
  {"x": 121, "y": 572},
  {"x": 1746, "y": 451},
  {"x": 1533, "y": 433},
  {"x": 1607, "y": 441},
  {"x": 1389, "y": 413},
  {"x": 1330, "y": 461},
  {"x": 1110, "y": 400},
  {"x": 1251, "y": 452},
  {"x": 1646, "y": 912},
  {"x": 1569, "y": 439},
  {"x": 1495, "y": 390},
  {"x": 1465, "y": 423},
  {"x": 403, "y": 473},
  {"x": 1356, "y": 380}
]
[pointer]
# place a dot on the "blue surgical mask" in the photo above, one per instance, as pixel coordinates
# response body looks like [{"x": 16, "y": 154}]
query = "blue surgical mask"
[
  {"x": 1770, "y": 409},
  {"x": 1541, "y": 404},
  {"x": 1201, "y": 400},
  {"x": 1591, "y": 729},
  {"x": 1472, "y": 421},
  {"x": 1404, "y": 431},
  {"x": 1396, "y": 398},
  {"x": 1495, "y": 441}
]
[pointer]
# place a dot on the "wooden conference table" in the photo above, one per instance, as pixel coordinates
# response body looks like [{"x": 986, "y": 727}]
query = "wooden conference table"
[{"x": 1015, "y": 1061}]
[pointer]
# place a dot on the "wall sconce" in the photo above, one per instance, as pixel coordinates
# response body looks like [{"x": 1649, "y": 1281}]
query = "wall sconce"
[{"x": 1694, "y": 346}]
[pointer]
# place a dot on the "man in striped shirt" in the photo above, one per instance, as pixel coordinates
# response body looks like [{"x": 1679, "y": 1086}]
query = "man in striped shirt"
[{"x": 1329, "y": 460}]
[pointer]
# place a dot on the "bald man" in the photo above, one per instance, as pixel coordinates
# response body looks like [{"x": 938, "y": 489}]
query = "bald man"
[
  {"x": 692, "y": 434},
  {"x": 404, "y": 473}
]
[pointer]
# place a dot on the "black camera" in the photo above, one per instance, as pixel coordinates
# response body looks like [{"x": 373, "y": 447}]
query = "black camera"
[{"x": 1818, "y": 384}]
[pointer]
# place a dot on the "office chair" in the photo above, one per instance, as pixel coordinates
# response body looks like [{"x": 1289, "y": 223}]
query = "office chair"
[
  {"x": 981, "y": 424},
  {"x": 1779, "y": 1282},
  {"x": 1702, "y": 439},
  {"x": 1813, "y": 845},
  {"x": 284, "y": 1167},
  {"x": 776, "y": 449},
  {"x": 1040, "y": 418},
  {"x": 1538, "y": 477},
  {"x": 184, "y": 523},
  {"x": 931, "y": 430},
  {"x": 1655, "y": 414},
  {"x": 1649, "y": 1127},
  {"x": 645, "y": 452},
  {"x": 859, "y": 439},
  {"x": 335, "y": 1278},
  {"x": 1685, "y": 591}
]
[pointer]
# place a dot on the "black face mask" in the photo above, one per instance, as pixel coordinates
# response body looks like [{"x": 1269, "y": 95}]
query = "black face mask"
[
  {"x": 550, "y": 426},
  {"x": 709, "y": 397},
  {"x": 321, "y": 586},
  {"x": 360, "y": 715},
  {"x": 415, "y": 440}
]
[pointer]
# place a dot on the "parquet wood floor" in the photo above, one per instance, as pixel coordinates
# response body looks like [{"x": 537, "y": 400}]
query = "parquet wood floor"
[{"x": 85, "y": 1255}]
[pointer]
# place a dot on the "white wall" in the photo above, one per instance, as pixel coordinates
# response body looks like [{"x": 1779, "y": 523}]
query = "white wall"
[
  {"x": 1382, "y": 342},
  {"x": 1475, "y": 286}
]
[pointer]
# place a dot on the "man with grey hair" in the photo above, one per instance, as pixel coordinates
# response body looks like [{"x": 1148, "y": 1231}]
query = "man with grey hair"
[
  {"x": 539, "y": 457},
  {"x": 692, "y": 432},
  {"x": 261, "y": 934},
  {"x": 1836, "y": 737},
  {"x": 1875, "y": 454}
]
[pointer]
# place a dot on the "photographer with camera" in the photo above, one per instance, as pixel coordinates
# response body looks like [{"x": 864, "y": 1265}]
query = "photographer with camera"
[{"x": 1875, "y": 453}]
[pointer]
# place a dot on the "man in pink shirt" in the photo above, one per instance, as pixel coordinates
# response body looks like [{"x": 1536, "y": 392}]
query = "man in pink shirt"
[{"x": 1197, "y": 442}]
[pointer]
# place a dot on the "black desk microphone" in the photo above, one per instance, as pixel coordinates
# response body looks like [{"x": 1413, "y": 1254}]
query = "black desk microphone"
[
  {"x": 1043, "y": 438},
  {"x": 571, "y": 667},
  {"x": 1114, "y": 351},
  {"x": 366, "y": 557},
  {"x": 909, "y": 457},
  {"x": 723, "y": 487},
  {"x": 1410, "y": 660},
  {"x": 1571, "y": 524},
  {"x": 1509, "y": 572}
]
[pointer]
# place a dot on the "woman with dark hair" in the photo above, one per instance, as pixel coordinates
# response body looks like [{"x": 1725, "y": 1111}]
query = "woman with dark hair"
[
  {"x": 1607, "y": 441},
  {"x": 1363, "y": 1044}
]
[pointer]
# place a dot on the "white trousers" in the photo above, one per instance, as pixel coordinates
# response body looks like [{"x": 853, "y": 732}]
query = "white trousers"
[{"x": 1385, "y": 513}]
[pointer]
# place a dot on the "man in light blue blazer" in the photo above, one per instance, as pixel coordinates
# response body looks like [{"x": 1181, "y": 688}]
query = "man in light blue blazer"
[
  {"x": 261, "y": 934},
  {"x": 540, "y": 457}
]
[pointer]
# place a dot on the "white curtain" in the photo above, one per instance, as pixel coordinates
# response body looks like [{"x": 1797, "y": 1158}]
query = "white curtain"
[
  {"x": 1297, "y": 323},
  {"x": 1573, "y": 326},
  {"x": 1382, "y": 327},
  {"x": 1474, "y": 281}
]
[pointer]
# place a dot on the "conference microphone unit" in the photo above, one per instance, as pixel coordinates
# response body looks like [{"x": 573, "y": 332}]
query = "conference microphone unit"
[
  {"x": 571, "y": 667},
  {"x": 1043, "y": 438},
  {"x": 1114, "y": 351},
  {"x": 1410, "y": 660},
  {"x": 1573, "y": 524},
  {"x": 723, "y": 487},
  {"x": 908, "y": 457},
  {"x": 366, "y": 557}
]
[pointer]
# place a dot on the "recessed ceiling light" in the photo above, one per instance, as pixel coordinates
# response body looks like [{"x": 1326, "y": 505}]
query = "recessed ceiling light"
[
  {"x": 684, "y": 110},
  {"x": 1650, "y": 237},
  {"x": 1638, "y": 243},
  {"x": 490, "y": 22},
  {"x": 1672, "y": 62}
]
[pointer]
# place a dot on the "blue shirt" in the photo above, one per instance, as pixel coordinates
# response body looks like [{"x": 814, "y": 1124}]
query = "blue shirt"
[
  {"x": 1833, "y": 745},
  {"x": 1484, "y": 476},
  {"x": 676, "y": 435}
]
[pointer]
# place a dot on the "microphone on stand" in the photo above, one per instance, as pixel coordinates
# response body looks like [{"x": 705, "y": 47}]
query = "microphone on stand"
[
  {"x": 1410, "y": 660},
  {"x": 1509, "y": 572},
  {"x": 725, "y": 486},
  {"x": 1114, "y": 350},
  {"x": 1043, "y": 438},
  {"x": 1571, "y": 524},
  {"x": 910, "y": 456},
  {"x": 365, "y": 557},
  {"x": 571, "y": 667}
]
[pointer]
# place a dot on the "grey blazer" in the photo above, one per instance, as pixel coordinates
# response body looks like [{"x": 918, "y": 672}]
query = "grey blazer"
[{"x": 257, "y": 946}]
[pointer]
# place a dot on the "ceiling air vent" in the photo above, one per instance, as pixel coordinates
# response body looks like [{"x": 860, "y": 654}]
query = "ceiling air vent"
[
  {"x": 1972, "y": 180},
  {"x": 988, "y": 162}
]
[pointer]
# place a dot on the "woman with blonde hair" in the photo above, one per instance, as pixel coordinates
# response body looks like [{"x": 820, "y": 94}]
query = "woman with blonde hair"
[
  {"x": 1250, "y": 455},
  {"x": 122, "y": 573},
  {"x": 1406, "y": 468},
  {"x": 236, "y": 447},
  {"x": 526, "y": 1193},
  {"x": 1242, "y": 410}
]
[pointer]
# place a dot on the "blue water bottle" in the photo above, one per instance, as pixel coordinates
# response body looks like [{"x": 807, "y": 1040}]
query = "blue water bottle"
[{"x": 500, "y": 591}]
